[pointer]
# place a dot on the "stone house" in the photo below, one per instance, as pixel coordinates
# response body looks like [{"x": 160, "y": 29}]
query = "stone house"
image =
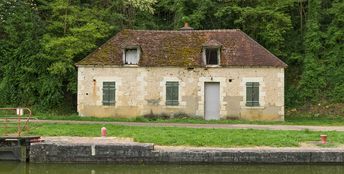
[{"x": 213, "y": 74}]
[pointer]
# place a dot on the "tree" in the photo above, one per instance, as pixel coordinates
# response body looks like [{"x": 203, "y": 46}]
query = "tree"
[
  {"x": 20, "y": 28},
  {"x": 334, "y": 53}
]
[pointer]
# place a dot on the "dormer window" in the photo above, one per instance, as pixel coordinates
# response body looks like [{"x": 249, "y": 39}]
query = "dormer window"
[
  {"x": 212, "y": 52},
  {"x": 131, "y": 56},
  {"x": 211, "y": 56}
]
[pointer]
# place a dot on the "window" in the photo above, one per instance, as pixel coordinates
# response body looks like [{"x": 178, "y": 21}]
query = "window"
[
  {"x": 211, "y": 56},
  {"x": 109, "y": 93},
  {"x": 252, "y": 94},
  {"x": 131, "y": 56},
  {"x": 172, "y": 93}
]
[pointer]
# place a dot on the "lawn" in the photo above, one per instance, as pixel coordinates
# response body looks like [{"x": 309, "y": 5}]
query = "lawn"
[
  {"x": 290, "y": 119},
  {"x": 297, "y": 119},
  {"x": 174, "y": 136}
]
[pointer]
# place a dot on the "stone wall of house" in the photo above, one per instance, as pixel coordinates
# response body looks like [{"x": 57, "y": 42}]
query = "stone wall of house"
[{"x": 141, "y": 90}]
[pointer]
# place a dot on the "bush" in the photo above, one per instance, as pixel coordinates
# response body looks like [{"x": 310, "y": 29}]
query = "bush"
[
  {"x": 164, "y": 116},
  {"x": 140, "y": 119},
  {"x": 181, "y": 115},
  {"x": 153, "y": 117},
  {"x": 231, "y": 118}
]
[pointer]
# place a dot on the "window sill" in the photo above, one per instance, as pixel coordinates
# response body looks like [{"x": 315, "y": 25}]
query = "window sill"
[
  {"x": 172, "y": 107},
  {"x": 253, "y": 107},
  {"x": 131, "y": 65},
  {"x": 108, "y": 106},
  {"x": 212, "y": 66}
]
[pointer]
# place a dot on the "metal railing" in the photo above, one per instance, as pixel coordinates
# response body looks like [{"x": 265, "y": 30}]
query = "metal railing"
[{"x": 15, "y": 118}]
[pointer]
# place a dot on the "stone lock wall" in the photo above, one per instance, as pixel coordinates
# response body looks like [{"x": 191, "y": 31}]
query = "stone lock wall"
[
  {"x": 147, "y": 153},
  {"x": 141, "y": 90}
]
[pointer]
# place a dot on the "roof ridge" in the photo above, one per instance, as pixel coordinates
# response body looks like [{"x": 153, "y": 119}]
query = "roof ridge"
[{"x": 187, "y": 31}]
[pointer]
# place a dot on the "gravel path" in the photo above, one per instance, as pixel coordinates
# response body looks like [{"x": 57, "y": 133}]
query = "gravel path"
[{"x": 208, "y": 126}]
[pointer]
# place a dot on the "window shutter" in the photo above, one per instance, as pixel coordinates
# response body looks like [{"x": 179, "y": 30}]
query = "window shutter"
[
  {"x": 172, "y": 93},
  {"x": 255, "y": 94},
  {"x": 249, "y": 94},
  {"x": 252, "y": 94},
  {"x": 109, "y": 93}
]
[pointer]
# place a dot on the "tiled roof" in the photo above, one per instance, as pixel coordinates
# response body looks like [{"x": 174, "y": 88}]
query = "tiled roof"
[{"x": 183, "y": 48}]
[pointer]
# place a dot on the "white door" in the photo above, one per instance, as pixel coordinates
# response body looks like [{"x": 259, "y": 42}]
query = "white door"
[{"x": 212, "y": 100}]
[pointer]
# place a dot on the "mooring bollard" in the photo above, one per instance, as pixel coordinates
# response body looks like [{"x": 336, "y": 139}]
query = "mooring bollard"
[
  {"x": 103, "y": 131},
  {"x": 323, "y": 139}
]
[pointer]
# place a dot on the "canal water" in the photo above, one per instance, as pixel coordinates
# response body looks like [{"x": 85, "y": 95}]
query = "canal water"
[{"x": 26, "y": 168}]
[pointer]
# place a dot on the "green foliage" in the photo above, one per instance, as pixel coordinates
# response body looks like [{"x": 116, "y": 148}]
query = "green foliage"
[
  {"x": 143, "y": 5},
  {"x": 41, "y": 40},
  {"x": 266, "y": 25},
  {"x": 40, "y": 43},
  {"x": 334, "y": 47},
  {"x": 72, "y": 31},
  {"x": 312, "y": 81},
  {"x": 20, "y": 30},
  {"x": 322, "y": 77},
  {"x": 185, "y": 19}
]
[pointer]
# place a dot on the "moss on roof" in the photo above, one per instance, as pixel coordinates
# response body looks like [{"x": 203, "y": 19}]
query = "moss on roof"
[{"x": 183, "y": 49}]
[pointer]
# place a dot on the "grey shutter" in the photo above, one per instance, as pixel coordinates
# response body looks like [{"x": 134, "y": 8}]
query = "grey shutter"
[
  {"x": 172, "y": 93},
  {"x": 249, "y": 94},
  {"x": 252, "y": 94},
  {"x": 255, "y": 94},
  {"x": 109, "y": 93}
]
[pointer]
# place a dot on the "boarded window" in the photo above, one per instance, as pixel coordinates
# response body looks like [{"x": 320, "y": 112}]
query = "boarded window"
[
  {"x": 109, "y": 93},
  {"x": 131, "y": 56},
  {"x": 172, "y": 93},
  {"x": 211, "y": 56},
  {"x": 252, "y": 94}
]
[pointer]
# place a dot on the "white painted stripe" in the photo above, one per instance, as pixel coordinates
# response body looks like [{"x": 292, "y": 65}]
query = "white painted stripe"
[{"x": 93, "y": 150}]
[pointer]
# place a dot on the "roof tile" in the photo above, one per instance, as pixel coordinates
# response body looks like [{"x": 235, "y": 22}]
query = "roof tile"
[{"x": 183, "y": 48}]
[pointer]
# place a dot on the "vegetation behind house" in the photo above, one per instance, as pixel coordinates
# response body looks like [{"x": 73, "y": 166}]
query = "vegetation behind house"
[{"x": 41, "y": 40}]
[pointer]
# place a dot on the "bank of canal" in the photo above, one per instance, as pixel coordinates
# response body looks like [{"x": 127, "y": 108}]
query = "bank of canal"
[
  {"x": 29, "y": 168},
  {"x": 119, "y": 151},
  {"x": 126, "y": 151}
]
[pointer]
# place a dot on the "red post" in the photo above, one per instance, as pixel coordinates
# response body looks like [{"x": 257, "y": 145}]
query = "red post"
[
  {"x": 103, "y": 132},
  {"x": 323, "y": 139}
]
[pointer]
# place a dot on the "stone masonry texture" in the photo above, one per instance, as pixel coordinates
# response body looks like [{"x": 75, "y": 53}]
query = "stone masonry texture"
[
  {"x": 141, "y": 91},
  {"x": 130, "y": 152}
]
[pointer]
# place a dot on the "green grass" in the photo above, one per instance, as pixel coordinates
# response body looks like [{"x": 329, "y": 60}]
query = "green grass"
[
  {"x": 174, "y": 136},
  {"x": 292, "y": 119},
  {"x": 309, "y": 119},
  {"x": 297, "y": 119}
]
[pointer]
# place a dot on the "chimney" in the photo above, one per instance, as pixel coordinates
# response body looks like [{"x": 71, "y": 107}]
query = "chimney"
[{"x": 186, "y": 27}]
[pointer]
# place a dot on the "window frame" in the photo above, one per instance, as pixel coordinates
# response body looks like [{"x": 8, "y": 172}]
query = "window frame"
[
  {"x": 109, "y": 87},
  {"x": 170, "y": 86},
  {"x": 205, "y": 48},
  {"x": 138, "y": 51},
  {"x": 254, "y": 89}
]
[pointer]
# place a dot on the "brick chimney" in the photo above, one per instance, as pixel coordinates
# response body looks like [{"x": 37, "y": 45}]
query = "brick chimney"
[{"x": 186, "y": 27}]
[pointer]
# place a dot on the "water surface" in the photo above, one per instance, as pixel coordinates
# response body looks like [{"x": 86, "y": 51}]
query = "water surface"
[{"x": 26, "y": 168}]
